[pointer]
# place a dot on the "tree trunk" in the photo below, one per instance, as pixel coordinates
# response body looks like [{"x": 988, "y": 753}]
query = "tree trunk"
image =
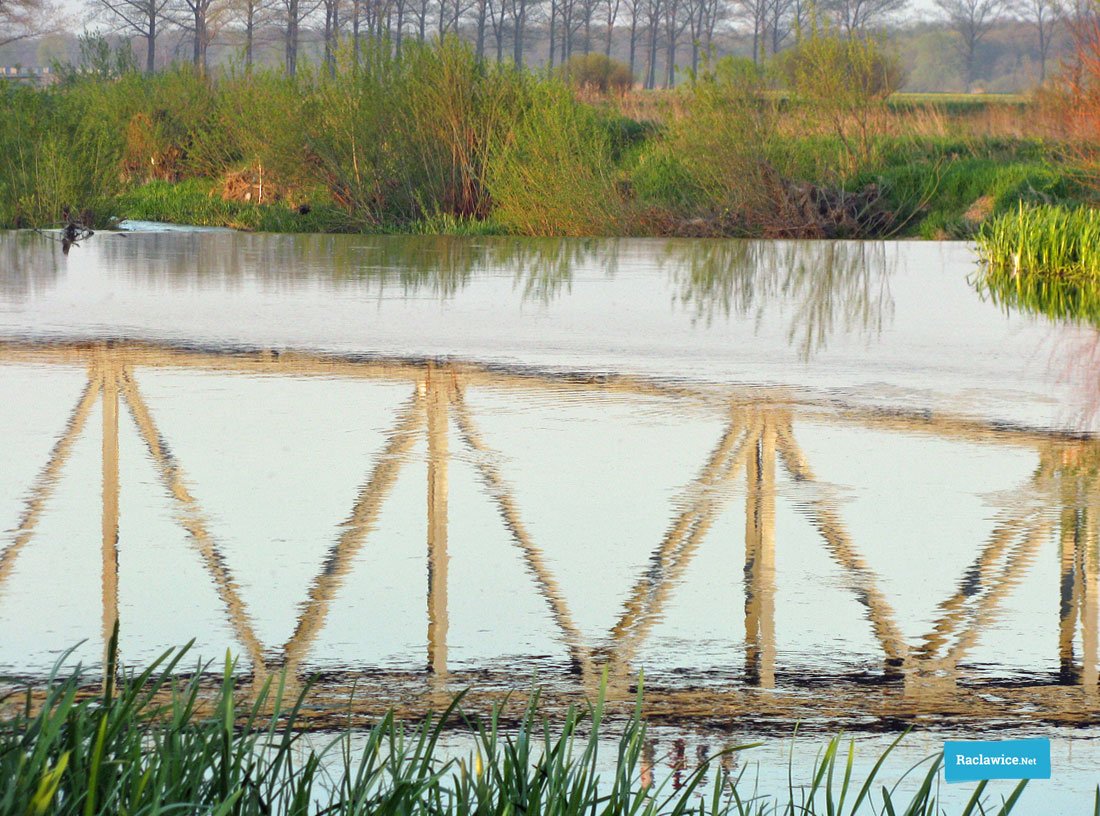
[
  {"x": 553, "y": 15},
  {"x": 633, "y": 36},
  {"x": 517, "y": 33},
  {"x": 481, "y": 30},
  {"x": 292, "y": 38},
  {"x": 151, "y": 41}
]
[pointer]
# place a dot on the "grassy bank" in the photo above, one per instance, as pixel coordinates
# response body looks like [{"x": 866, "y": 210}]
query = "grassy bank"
[
  {"x": 431, "y": 140},
  {"x": 151, "y": 743}
]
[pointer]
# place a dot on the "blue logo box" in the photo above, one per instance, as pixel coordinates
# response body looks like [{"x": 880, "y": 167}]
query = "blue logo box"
[{"x": 973, "y": 760}]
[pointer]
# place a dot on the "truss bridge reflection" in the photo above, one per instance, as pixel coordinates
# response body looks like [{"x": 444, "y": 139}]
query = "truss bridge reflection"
[{"x": 756, "y": 469}]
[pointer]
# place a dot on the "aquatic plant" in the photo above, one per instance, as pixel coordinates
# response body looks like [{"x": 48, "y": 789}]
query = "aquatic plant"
[
  {"x": 1043, "y": 240},
  {"x": 154, "y": 742}
]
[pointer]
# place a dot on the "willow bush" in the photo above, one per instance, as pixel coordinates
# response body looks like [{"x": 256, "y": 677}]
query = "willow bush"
[
  {"x": 54, "y": 158},
  {"x": 552, "y": 173},
  {"x": 716, "y": 158},
  {"x": 846, "y": 78}
]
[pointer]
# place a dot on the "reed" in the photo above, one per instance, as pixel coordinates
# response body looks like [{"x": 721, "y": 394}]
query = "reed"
[
  {"x": 152, "y": 743},
  {"x": 1063, "y": 242}
]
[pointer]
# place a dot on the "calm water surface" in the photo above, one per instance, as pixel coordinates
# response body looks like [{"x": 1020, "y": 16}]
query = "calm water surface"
[{"x": 817, "y": 482}]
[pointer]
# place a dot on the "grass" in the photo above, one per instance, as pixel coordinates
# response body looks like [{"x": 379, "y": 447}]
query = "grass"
[
  {"x": 196, "y": 202},
  {"x": 1061, "y": 242},
  {"x": 152, "y": 743}
]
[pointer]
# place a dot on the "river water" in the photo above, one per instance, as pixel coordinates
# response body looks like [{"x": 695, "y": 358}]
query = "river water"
[{"x": 793, "y": 482}]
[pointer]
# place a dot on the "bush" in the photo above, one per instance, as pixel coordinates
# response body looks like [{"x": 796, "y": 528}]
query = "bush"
[
  {"x": 716, "y": 153},
  {"x": 552, "y": 174},
  {"x": 53, "y": 158},
  {"x": 846, "y": 77},
  {"x": 597, "y": 72}
]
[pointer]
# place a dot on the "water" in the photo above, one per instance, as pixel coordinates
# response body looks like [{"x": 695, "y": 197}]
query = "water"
[{"x": 818, "y": 482}]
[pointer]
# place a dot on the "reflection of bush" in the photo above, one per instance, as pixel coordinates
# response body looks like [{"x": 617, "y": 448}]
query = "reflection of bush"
[
  {"x": 830, "y": 287},
  {"x": 28, "y": 264},
  {"x": 442, "y": 265}
]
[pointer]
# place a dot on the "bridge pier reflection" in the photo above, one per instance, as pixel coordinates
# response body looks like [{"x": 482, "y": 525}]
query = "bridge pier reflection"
[
  {"x": 436, "y": 402},
  {"x": 760, "y": 559},
  {"x": 109, "y": 377}
]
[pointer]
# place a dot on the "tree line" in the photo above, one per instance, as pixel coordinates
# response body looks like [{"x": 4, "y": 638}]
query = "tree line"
[{"x": 654, "y": 38}]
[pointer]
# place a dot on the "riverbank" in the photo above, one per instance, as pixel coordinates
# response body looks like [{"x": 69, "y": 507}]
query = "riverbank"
[
  {"x": 432, "y": 141},
  {"x": 161, "y": 740}
]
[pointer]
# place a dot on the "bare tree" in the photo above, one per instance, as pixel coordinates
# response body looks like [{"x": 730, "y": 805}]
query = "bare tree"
[
  {"x": 331, "y": 32},
  {"x": 676, "y": 20},
  {"x": 756, "y": 12},
  {"x": 652, "y": 10},
  {"x": 419, "y": 10},
  {"x": 141, "y": 17},
  {"x": 779, "y": 23},
  {"x": 634, "y": 9},
  {"x": 1042, "y": 15},
  {"x": 857, "y": 17},
  {"x": 497, "y": 9},
  {"x": 20, "y": 19},
  {"x": 481, "y": 14},
  {"x": 971, "y": 20},
  {"x": 519, "y": 11},
  {"x": 610, "y": 14},
  {"x": 251, "y": 16},
  {"x": 200, "y": 18}
]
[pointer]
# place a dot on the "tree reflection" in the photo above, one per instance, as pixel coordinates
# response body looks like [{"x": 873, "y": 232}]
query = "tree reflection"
[
  {"x": 28, "y": 265},
  {"x": 828, "y": 286},
  {"x": 439, "y": 265}
]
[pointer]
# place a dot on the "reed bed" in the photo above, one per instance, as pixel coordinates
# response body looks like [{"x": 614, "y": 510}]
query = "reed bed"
[
  {"x": 1043, "y": 240},
  {"x": 151, "y": 743}
]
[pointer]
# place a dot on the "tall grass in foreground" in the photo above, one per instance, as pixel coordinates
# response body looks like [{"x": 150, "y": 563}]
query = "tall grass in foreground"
[
  {"x": 153, "y": 744},
  {"x": 1043, "y": 240}
]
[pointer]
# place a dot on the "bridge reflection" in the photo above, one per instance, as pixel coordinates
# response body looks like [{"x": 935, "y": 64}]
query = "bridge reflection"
[{"x": 759, "y": 438}]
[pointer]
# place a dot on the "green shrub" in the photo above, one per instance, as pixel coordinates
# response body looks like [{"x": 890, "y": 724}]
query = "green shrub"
[
  {"x": 718, "y": 150},
  {"x": 552, "y": 174},
  {"x": 52, "y": 158},
  {"x": 846, "y": 77},
  {"x": 597, "y": 72}
]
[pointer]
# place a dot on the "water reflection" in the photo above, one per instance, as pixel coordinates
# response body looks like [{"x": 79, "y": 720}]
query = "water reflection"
[
  {"x": 828, "y": 286},
  {"x": 438, "y": 265},
  {"x": 758, "y": 459},
  {"x": 1052, "y": 297},
  {"x": 29, "y": 265},
  {"x": 826, "y": 289}
]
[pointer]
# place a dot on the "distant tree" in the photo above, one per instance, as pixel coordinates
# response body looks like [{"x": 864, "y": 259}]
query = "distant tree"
[
  {"x": 652, "y": 10},
  {"x": 971, "y": 20},
  {"x": 293, "y": 13},
  {"x": 610, "y": 14},
  {"x": 676, "y": 18},
  {"x": 20, "y": 19},
  {"x": 145, "y": 18},
  {"x": 201, "y": 19},
  {"x": 755, "y": 12},
  {"x": 251, "y": 16},
  {"x": 634, "y": 9},
  {"x": 1042, "y": 15},
  {"x": 519, "y": 10},
  {"x": 856, "y": 17}
]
